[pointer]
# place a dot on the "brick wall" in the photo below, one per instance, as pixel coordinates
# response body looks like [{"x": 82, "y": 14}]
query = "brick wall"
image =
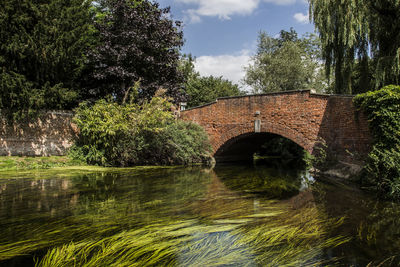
[
  {"x": 49, "y": 135},
  {"x": 300, "y": 116}
]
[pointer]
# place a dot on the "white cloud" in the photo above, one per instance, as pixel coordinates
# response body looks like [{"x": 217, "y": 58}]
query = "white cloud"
[
  {"x": 224, "y": 9},
  {"x": 281, "y": 2},
  {"x": 231, "y": 67},
  {"x": 302, "y": 18}
]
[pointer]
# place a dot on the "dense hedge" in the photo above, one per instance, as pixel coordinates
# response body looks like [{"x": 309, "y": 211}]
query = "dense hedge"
[
  {"x": 382, "y": 170},
  {"x": 130, "y": 134}
]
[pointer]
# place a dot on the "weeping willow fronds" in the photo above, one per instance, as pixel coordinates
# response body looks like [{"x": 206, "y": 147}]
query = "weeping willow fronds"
[
  {"x": 344, "y": 29},
  {"x": 363, "y": 29}
]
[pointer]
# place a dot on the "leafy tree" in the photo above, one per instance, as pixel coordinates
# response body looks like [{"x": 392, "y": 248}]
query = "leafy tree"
[
  {"x": 186, "y": 66},
  {"x": 353, "y": 31},
  {"x": 286, "y": 63},
  {"x": 42, "y": 53},
  {"x": 201, "y": 90},
  {"x": 138, "y": 42}
]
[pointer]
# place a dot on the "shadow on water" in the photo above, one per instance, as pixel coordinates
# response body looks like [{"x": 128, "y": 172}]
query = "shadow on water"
[
  {"x": 374, "y": 225},
  {"x": 262, "y": 215},
  {"x": 269, "y": 179}
]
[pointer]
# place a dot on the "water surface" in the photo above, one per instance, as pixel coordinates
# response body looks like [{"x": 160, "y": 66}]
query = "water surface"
[{"x": 228, "y": 216}]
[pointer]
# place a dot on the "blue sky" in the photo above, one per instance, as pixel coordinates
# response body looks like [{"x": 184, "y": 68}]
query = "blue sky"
[{"x": 222, "y": 34}]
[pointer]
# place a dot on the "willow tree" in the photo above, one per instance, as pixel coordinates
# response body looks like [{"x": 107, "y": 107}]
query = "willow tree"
[
  {"x": 359, "y": 33},
  {"x": 385, "y": 40}
]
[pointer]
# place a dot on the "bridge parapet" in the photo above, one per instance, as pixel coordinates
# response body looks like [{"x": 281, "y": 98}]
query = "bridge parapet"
[{"x": 300, "y": 116}]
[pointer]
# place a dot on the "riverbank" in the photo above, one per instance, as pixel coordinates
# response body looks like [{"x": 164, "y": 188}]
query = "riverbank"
[
  {"x": 58, "y": 167},
  {"x": 15, "y": 163}
]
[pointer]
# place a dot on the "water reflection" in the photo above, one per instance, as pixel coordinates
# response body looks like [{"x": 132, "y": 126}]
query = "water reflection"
[
  {"x": 265, "y": 181},
  {"x": 373, "y": 225},
  {"x": 233, "y": 215}
]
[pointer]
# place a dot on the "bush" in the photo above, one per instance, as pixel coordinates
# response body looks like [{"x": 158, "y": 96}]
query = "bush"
[
  {"x": 130, "y": 134},
  {"x": 382, "y": 170}
]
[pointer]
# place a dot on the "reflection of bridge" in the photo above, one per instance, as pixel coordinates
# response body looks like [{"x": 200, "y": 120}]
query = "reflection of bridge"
[{"x": 237, "y": 125}]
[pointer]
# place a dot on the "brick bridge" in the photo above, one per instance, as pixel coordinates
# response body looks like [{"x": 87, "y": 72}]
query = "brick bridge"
[{"x": 238, "y": 126}]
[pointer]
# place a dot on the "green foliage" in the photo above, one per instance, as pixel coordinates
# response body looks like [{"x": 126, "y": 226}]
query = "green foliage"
[
  {"x": 382, "y": 108},
  {"x": 138, "y": 41},
  {"x": 42, "y": 54},
  {"x": 201, "y": 90},
  {"x": 283, "y": 149},
  {"x": 383, "y": 166},
  {"x": 56, "y": 53},
  {"x": 18, "y": 98},
  {"x": 320, "y": 158},
  {"x": 286, "y": 63},
  {"x": 362, "y": 76},
  {"x": 359, "y": 29},
  {"x": 130, "y": 134},
  {"x": 383, "y": 171},
  {"x": 178, "y": 143}
]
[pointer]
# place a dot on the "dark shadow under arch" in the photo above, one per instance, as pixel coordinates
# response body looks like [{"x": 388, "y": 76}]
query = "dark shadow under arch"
[{"x": 242, "y": 148}]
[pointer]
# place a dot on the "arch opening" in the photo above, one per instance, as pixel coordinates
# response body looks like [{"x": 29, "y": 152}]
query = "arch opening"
[{"x": 258, "y": 146}]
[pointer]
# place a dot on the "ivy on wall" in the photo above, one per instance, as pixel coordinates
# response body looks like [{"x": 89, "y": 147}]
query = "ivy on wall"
[{"x": 382, "y": 170}]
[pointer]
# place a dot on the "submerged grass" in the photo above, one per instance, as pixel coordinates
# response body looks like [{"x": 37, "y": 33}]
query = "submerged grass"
[
  {"x": 291, "y": 238},
  {"x": 89, "y": 205},
  {"x": 131, "y": 228}
]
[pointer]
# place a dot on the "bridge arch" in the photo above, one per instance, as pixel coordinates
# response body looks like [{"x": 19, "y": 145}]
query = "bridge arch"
[
  {"x": 240, "y": 143},
  {"x": 300, "y": 116},
  {"x": 269, "y": 128}
]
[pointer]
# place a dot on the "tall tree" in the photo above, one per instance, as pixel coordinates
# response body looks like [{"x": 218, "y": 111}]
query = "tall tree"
[
  {"x": 353, "y": 31},
  {"x": 201, "y": 90},
  {"x": 138, "y": 42},
  {"x": 42, "y": 53},
  {"x": 286, "y": 63}
]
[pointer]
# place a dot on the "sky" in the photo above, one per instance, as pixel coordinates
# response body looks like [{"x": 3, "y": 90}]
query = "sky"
[{"x": 222, "y": 34}]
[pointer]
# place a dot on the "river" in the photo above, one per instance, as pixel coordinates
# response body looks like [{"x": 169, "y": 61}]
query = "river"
[{"x": 245, "y": 215}]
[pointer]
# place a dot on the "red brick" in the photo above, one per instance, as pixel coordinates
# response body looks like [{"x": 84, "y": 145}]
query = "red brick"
[{"x": 300, "y": 116}]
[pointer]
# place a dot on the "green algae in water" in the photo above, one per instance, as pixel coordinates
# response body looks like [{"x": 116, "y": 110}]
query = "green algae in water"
[
  {"x": 175, "y": 217},
  {"x": 266, "y": 242}
]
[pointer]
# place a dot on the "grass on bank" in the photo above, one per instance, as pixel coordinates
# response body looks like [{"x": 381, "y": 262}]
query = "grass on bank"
[
  {"x": 15, "y": 163},
  {"x": 57, "y": 167}
]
